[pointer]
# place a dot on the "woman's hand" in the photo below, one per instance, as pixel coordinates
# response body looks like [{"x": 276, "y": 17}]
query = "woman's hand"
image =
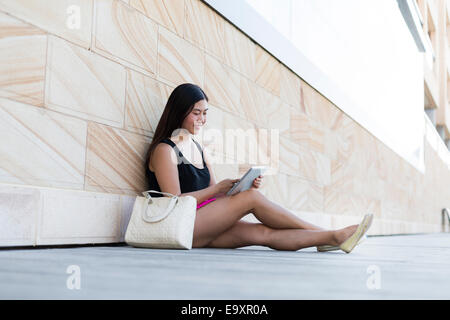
[
  {"x": 257, "y": 182},
  {"x": 224, "y": 186}
]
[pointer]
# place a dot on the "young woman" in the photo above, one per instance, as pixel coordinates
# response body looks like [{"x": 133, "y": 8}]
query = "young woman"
[{"x": 218, "y": 221}]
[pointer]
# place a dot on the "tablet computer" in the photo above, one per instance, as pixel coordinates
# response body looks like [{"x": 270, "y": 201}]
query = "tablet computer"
[{"x": 247, "y": 180}]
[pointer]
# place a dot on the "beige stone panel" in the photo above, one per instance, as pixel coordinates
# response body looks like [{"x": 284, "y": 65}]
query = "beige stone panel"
[
  {"x": 69, "y": 19},
  {"x": 372, "y": 184},
  {"x": 307, "y": 164},
  {"x": 318, "y": 108},
  {"x": 359, "y": 204},
  {"x": 289, "y": 157},
  {"x": 390, "y": 194},
  {"x": 344, "y": 125},
  {"x": 12, "y": 27},
  {"x": 342, "y": 221},
  {"x": 277, "y": 187},
  {"x": 222, "y": 85},
  {"x": 239, "y": 135},
  {"x": 168, "y": 13},
  {"x": 275, "y": 112},
  {"x": 266, "y": 138},
  {"x": 340, "y": 189},
  {"x": 297, "y": 193},
  {"x": 220, "y": 160},
  {"x": 341, "y": 176},
  {"x": 242, "y": 169},
  {"x": 392, "y": 169},
  {"x": 72, "y": 216},
  {"x": 314, "y": 166},
  {"x": 368, "y": 154},
  {"x": 382, "y": 163},
  {"x": 330, "y": 114},
  {"x": 224, "y": 171},
  {"x": 115, "y": 161},
  {"x": 250, "y": 101},
  {"x": 404, "y": 205},
  {"x": 337, "y": 202},
  {"x": 318, "y": 218},
  {"x": 268, "y": 71},
  {"x": 372, "y": 206},
  {"x": 84, "y": 84},
  {"x": 346, "y": 148},
  {"x": 331, "y": 144},
  {"x": 23, "y": 51},
  {"x": 315, "y": 198},
  {"x": 369, "y": 186},
  {"x": 273, "y": 152},
  {"x": 355, "y": 161},
  {"x": 145, "y": 102},
  {"x": 242, "y": 142},
  {"x": 341, "y": 120},
  {"x": 41, "y": 147},
  {"x": 19, "y": 207},
  {"x": 239, "y": 51},
  {"x": 299, "y": 127},
  {"x": 306, "y": 132},
  {"x": 204, "y": 28},
  {"x": 290, "y": 87},
  {"x": 317, "y": 135},
  {"x": 178, "y": 60},
  {"x": 125, "y": 35},
  {"x": 390, "y": 210}
]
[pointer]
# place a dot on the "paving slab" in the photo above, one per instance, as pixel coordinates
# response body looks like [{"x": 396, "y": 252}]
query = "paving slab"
[{"x": 384, "y": 267}]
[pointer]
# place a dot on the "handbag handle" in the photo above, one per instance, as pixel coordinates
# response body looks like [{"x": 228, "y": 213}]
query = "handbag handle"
[
  {"x": 148, "y": 196},
  {"x": 162, "y": 215}
]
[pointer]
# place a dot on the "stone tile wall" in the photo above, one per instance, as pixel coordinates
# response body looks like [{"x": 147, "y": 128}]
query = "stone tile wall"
[{"x": 79, "y": 105}]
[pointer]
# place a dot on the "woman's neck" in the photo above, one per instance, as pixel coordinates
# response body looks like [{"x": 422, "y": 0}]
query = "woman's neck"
[{"x": 182, "y": 138}]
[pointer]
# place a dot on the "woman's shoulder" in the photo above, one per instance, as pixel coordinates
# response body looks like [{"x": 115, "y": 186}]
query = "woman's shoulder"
[
  {"x": 161, "y": 154},
  {"x": 163, "y": 145}
]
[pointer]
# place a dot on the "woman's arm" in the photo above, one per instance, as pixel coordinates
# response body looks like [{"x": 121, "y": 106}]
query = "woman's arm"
[
  {"x": 203, "y": 194},
  {"x": 166, "y": 172}
]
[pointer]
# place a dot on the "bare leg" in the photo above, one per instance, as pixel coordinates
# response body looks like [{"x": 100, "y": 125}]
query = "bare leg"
[
  {"x": 275, "y": 216},
  {"x": 220, "y": 215},
  {"x": 245, "y": 234}
]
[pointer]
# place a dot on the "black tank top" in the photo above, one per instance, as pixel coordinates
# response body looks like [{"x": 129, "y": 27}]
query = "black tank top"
[{"x": 190, "y": 177}]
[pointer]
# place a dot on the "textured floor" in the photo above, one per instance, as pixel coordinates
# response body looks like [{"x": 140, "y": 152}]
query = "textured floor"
[{"x": 389, "y": 267}]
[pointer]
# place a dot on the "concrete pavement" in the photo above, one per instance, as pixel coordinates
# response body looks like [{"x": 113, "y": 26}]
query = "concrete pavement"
[{"x": 386, "y": 267}]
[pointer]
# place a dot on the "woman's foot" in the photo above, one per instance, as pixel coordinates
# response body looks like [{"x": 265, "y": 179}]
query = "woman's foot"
[{"x": 341, "y": 235}]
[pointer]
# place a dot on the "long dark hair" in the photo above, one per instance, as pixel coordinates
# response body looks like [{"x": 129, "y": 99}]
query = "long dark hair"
[{"x": 180, "y": 103}]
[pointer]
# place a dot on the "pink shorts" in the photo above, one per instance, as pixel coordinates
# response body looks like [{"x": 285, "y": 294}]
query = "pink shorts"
[{"x": 205, "y": 202}]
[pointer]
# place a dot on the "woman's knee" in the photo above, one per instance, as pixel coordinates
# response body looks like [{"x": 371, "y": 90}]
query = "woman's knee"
[{"x": 252, "y": 196}]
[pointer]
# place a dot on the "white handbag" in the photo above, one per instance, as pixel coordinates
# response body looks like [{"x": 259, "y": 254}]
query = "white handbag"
[{"x": 164, "y": 222}]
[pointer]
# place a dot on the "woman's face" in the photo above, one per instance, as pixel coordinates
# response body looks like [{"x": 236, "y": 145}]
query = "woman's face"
[{"x": 196, "y": 119}]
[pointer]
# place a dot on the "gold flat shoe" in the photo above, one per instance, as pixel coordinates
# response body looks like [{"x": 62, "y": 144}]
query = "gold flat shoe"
[
  {"x": 349, "y": 244},
  {"x": 326, "y": 247}
]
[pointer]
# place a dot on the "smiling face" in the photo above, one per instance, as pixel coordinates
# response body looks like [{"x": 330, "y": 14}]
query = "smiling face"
[{"x": 196, "y": 119}]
